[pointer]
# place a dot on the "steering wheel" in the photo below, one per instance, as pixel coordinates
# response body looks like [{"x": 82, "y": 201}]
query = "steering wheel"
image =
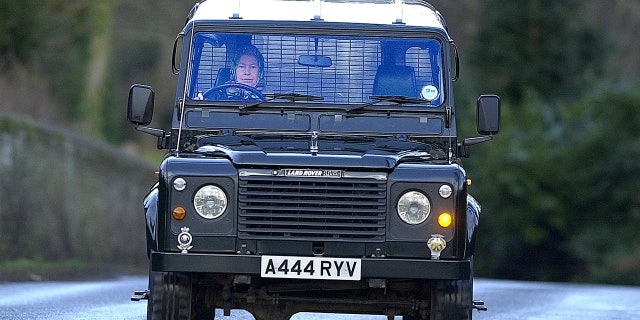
[{"x": 220, "y": 92}]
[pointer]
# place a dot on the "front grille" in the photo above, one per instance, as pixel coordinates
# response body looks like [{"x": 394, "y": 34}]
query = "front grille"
[{"x": 312, "y": 208}]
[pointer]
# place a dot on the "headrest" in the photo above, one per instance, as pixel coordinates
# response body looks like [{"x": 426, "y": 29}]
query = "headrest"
[
  {"x": 395, "y": 80},
  {"x": 224, "y": 75}
]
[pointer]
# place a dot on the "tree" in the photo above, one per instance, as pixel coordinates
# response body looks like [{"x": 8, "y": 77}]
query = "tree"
[
  {"x": 605, "y": 192},
  {"x": 564, "y": 200},
  {"x": 538, "y": 44},
  {"x": 20, "y": 24},
  {"x": 555, "y": 168}
]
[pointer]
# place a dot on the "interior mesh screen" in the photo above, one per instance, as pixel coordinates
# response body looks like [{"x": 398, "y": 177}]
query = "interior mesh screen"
[{"x": 348, "y": 79}]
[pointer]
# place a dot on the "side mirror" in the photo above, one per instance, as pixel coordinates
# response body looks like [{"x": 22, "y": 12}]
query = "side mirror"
[
  {"x": 455, "y": 62},
  {"x": 488, "y": 114},
  {"x": 140, "y": 107},
  {"x": 488, "y": 122}
]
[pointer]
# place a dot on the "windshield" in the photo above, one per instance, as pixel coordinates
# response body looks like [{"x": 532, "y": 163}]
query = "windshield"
[{"x": 340, "y": 70}]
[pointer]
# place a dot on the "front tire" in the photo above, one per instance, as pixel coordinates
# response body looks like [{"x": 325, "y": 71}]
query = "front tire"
[
  {"x": 169, "y": 296},
  {"x": 452, "y": 299}
]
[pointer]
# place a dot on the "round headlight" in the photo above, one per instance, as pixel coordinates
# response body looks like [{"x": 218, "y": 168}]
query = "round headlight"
[
  {"x": 210, "y": 202},
  {"x": 413, "y": 207}
]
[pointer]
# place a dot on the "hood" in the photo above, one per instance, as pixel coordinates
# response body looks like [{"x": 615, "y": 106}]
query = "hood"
[{"x": 374, "y": 158}]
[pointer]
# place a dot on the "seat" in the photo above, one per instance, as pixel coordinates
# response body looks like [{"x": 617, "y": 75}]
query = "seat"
[
  {"x": 395, "y": 80},
  {"x": 224, "y": 75}
]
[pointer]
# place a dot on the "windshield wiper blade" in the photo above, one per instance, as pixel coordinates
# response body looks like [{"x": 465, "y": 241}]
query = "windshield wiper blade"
[
  {"x": 400, "y": 100},
  {"x": 214, "y": 150},
  {"x": 291, "y": 96},
  {"x": 414, "y": 154}
]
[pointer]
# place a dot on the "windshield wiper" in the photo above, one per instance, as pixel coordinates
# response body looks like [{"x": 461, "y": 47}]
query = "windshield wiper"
[
  {"x": 413, "y": 155},
  {"x": 291, "y": 96},
  {"x": 400, "y": 100}
]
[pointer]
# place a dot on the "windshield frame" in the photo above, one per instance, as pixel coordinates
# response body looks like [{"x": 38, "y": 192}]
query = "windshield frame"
[
  {"x": 312, "y": 28},
  {"x": 320, "y": 29}
]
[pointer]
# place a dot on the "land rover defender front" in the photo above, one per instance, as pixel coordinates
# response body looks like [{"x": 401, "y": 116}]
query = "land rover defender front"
[{"x": 312, "y": 164}]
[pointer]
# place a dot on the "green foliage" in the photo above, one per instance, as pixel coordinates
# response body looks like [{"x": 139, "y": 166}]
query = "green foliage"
[
  {"x": 20, "y": 24},
  {"x": 80, "y": 49},
  {"x": 606, "y": 168},
  {"x": 539, "y": 44},
  {"x": 563, "y": 202},
  {"x": 69, "y": 55},
  {"x": 523, "y": 218},
  {"x": 114, "y": 126},
  {"x": 51, "y": 37}
]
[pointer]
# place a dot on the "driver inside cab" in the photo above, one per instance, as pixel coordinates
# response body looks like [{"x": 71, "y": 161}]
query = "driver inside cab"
[
  {"x": 246, "y": 78},
  {"x": 247, "y": 67}
]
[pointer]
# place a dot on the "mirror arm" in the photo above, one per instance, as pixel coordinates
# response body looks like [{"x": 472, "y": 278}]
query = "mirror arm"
[
  {"x": 463, "y": 148},
  {"x": 476, "y": 140},
  {"x": 152, "y": 131}
]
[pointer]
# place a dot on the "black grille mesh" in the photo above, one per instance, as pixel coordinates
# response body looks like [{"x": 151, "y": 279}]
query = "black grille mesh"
[{"x": 311, "y": 208}]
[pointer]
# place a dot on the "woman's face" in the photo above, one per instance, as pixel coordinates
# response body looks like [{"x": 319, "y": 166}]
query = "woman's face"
[{"x": 247, "y": 70}]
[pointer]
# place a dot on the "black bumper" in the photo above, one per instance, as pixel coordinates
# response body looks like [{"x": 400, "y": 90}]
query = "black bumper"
[{"x": 382, "y": 268}]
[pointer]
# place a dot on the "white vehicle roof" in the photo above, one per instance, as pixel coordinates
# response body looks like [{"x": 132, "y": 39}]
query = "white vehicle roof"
[{"x": 408, "y": 12}]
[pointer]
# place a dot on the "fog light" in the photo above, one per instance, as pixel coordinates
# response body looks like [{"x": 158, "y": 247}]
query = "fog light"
[
  {"x": 445, "y": 220},
  {"x": 179, "y": 213},
  {"x": 436, "y": 244}
]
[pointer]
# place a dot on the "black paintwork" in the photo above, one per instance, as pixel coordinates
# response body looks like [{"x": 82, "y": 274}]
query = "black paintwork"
[{"x": 380, "y": 151}]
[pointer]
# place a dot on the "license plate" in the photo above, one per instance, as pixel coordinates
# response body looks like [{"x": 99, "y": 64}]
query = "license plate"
[{"x": 310, "y": 268}]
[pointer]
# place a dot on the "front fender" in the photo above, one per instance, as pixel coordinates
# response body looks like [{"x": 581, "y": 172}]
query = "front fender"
[
  {"x": 151, "y": 217},
  {"x": 473, "y": 218}
]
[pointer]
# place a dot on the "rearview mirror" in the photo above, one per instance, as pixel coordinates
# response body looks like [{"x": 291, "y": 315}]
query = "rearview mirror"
[
  {"x": 140, "y": 107},
  {"x": 315, "y": 61},
  {"x": 488, "y": 114}
]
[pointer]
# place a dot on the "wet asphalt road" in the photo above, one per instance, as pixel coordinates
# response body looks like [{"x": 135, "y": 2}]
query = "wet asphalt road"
[{"x": 505, "y": 300}]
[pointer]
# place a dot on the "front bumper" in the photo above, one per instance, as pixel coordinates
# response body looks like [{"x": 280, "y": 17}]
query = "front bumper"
[{"x": 382, "y": 268}]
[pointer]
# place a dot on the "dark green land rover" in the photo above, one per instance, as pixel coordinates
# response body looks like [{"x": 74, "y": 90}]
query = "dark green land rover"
[{"x": 312, "y": 164}]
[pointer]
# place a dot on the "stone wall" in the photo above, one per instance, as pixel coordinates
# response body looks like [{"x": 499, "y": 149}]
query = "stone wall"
[{"x": 65, "y": 197}]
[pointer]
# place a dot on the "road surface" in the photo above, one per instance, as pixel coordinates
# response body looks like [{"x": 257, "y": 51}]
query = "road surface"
[{"x": 505, "y": 300}]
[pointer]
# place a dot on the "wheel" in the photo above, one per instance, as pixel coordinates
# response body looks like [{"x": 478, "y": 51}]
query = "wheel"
[
  {"x": 452, "y": 299},
  {"x": 169, "y": 296},
  {"x": 220, "y": 92}
]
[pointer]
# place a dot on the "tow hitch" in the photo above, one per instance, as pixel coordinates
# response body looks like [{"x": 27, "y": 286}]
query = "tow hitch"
[
  {"x": 144, "y": 295},
  {"x": 477, "y": 304}
]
